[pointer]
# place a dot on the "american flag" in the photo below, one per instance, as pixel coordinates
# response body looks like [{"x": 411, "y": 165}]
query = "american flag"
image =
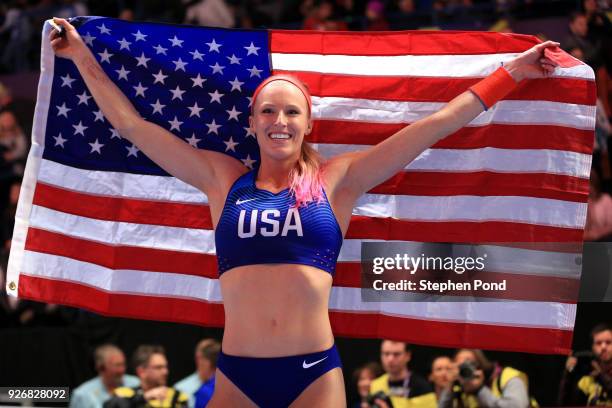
[{"x": 101, "y": 227}]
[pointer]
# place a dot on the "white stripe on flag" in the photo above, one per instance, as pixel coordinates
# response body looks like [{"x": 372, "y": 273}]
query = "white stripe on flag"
[
  {"x": 487, "y": 158},
  {"x": 124, "y": 233},
  {"x": 541, "y": 314},
  {"x": 117, "y": 184},
  {"x": 122, "y": 281},
  {"x": 444, "y": 66},
  {"x": 504, "y": 112}
]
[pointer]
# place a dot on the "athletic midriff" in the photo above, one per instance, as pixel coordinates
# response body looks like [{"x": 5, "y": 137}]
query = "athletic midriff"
[{"x": 276, "y": 310}]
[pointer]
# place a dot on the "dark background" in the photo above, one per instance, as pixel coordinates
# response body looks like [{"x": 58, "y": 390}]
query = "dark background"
[{"x": 62, "y": 356}]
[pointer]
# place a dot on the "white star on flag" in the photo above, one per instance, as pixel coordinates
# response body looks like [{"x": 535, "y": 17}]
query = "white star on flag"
[
  {"x": 255, "y": 72},
  {"x": 84, "y": 98},
  {"x": 159, "y": 77},
  {"x": 142, "y": 60},
  {"x": 157, "y": 107},
  {"x": 96, "y": 146},
  {"x": 196, "y": 55},
  {"x": 249, "y": 132},
  {"x": 160, "y": 50},
  {"x": 114, "y": 134},
  {"x": 105, "y": 56},
  {"x": 236, "y": 84},
  {"x": 88, "y": 38},
  {"x": 176, "y": 42},
  {"x": 217, "y": 69},
  {"x": 213, "y": 46},
  {"x": 233, "y": 113},
  {"x": 230, "y": 145},
  {"x": 98, "y": 116},
  {"x": 132, "y": 151},
  {"x": 59, "y": 140},
  {"x": 179, "y": 64},
  {"x": 175, "y": 124},
  {"x": 215, "y": 96},
  {"x": 103, "y": 29},
  {"x": 195, "y": 110},
  {"x": 140, "y": 90},
  {"x": 79, "y": 129},
  {"x": 252, "y": 49},
  {"x": 139, "y": 36},
  {"x": 67, "y": 81},
  {"x": 213, "y": 127},
  {"x": 123, "y": 73},
  {"x": 193, "y": 140},
  {"x": 63, "y": 110},
  {"x": 249, "y": 162},
  {"x": 198, "y": 81},
  {"x": 234, "y": 59},
  {"x": 177, "y": 93},
  {"x": 124, "y": 44}
]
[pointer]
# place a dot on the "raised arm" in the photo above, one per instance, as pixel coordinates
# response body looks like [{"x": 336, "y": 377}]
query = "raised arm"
[
  {"x": 206, "y": 170},
  {"x": 366, "y": 169}
]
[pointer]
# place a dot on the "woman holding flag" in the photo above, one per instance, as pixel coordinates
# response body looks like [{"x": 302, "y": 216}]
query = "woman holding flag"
[{"x": 279, "y": 228}]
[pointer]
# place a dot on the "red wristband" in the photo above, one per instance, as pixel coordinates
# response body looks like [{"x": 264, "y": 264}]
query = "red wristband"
[{"x": 494, "y": 87}]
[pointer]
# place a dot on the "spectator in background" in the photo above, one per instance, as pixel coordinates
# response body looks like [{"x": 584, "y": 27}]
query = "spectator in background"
[
  {"x": 71, "y": 8},
  {"x": 110, "y": 365},
  {"x": 210, "y": 13},
  {"x": 320, "y": 17},
  {"x": 13, "y": 143},
  {"x": 206, "y": 354},
  {"x": 17, "y": 28},
  {"x": 441, "y": 374},
  {"x": 578, "y": 37},
  {"x": 599, "y": 212},
  {"x": 151, "y": 368},
  {"x": 403, "y": 386},
  {"x": 594, "y": 388},
  {"x": 375, "y": 14},
  {"x": 362, "y": 377},
  {"x": 477, "y": 382}
]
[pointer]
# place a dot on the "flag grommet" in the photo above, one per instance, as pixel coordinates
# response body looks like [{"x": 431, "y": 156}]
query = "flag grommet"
[{"x": 12, "y": 285}]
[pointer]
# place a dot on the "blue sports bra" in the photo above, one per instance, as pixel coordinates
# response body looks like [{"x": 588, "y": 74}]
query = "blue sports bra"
[{"x": 260, "y": 227}]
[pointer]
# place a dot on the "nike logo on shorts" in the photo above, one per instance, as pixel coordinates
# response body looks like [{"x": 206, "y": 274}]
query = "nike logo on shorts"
[
  {"x": 308, "y": 365},
  {"x": 238, "y": 202}
]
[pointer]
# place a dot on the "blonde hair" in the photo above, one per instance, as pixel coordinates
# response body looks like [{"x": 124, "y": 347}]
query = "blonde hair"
[{"x": 306, "y": 177}]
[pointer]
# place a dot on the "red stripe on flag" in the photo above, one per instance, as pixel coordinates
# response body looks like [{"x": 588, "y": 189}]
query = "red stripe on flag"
[
  {"x": 499, "y": 136},
  {"x": 118, "y": 209},
  {"x": 121, "y": 257},
  {"x": 457, "y": 231},
  {"x": 119, "y": 304},
  {"x": 428, "y": 89},
  {"x": 452, "y": 334},
  {"x": 390, "y": 43},
  {"x": 486, "y": 183}
]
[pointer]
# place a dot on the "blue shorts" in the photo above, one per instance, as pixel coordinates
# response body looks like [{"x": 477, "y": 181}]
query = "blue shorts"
[{"x": 275, "y": 382}]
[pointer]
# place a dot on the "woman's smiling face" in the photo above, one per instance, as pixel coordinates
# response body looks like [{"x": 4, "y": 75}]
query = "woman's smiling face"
[{"x": 280, "y": 119}]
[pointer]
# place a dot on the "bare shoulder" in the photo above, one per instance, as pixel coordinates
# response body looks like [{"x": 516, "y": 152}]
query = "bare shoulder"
[
  {"x": 336, "y": 170},
  {"x": 225, "y": 171}
]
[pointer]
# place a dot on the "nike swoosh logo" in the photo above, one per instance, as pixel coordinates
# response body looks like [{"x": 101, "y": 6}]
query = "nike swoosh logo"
[
  {"x": 308, "y": 365},
  {"x": 238, "y": 202}
]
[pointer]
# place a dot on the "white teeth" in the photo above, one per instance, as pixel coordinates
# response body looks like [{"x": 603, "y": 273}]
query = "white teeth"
[{"x": 279, "y": 136}]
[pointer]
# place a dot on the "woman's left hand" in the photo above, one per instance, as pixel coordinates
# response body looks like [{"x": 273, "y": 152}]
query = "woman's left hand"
[{"x": 532, "y": 63}]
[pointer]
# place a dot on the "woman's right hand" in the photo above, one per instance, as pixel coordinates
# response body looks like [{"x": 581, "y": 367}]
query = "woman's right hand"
[{"x": 71, "y": 44}]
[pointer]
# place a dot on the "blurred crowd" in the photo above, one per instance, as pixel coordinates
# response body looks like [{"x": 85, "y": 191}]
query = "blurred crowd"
[{"x": 466, "y": 379}]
